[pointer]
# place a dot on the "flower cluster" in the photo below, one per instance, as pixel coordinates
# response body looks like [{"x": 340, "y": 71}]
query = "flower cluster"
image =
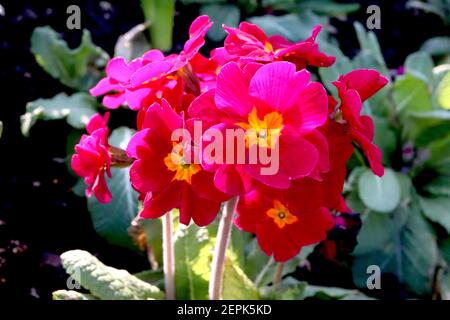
[{"x": 263, "y": 131}]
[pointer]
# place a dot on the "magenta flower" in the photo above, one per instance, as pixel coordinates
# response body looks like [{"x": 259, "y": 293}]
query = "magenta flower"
[
  {"x": 250, "y": 43},
  {"x": 92, "y": 158},
  {"x": 282, "y": 107}
]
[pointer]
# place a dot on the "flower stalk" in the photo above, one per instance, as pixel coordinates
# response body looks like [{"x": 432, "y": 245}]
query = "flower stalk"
[
  {"x": 168, "y": 256},
  {"x": 223, "y": 238}
]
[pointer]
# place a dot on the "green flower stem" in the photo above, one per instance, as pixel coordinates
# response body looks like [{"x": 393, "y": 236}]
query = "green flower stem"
[
  {"x": 168, "y": 256},
  {"x": 223, "y": 238}
]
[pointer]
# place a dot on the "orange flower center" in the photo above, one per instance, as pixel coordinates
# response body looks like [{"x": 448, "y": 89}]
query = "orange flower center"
[
  {"x": 263, "y": 132},
  {"x": 175, "y": 161},
  {"x": 281, "y": 214},
  {"x": 268, "y": 47}
]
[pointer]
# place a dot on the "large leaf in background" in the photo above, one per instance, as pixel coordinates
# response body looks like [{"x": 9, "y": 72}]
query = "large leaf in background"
[
  {"x": 71, "y": 295},
  {"x": 411, "y": 94},
  {"x": 76, "y": 68},
  {"x": 236, "y": 284},
  {"x": 77, "y": 109},
  {"x": 420, "y": 65},
  {"x": 193, "y": 257},
  {"x": 112, "y": 220},
  {"x": 294, "y": 27},
  {"x": 381, "y": 194},
  {"x": 105, "y": 282},
  {"x": 227, "y": 14},
  {"x": 411, "y": 255},
  {"x": 437, "y": 209},
  {"x": 153, "y": 236},
  {"x": 325, "y": 7},
  {"x": 133, "y": 43}
]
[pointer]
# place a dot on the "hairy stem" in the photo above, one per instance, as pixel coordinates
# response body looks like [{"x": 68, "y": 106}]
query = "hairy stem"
[
  {"x": 223, "y": 238},
  {"x": 278, "y": 275},
  {"x": 168, "y": 256}
]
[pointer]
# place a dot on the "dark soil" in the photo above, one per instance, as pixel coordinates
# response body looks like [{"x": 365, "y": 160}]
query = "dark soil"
[{"x": 40, "y": 217}]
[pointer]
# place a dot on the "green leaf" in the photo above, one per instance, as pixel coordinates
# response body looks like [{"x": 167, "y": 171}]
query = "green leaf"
[
  {"x": 411, "y": 94},
  {"x": 1, "y": 129},
  {"x": 384, "y": 138},
  {"x": 420, "y": 65},
  {"x": 112, "y": 220},
  {"x": 193, "y": 257},
  {"x": 443, "y": 93},
  {"x": 71, "y": 295},
  {"x": 236, "y": 285},
  {"x": 437, "y": 209},
  {"x": 411, "y": 255},
  {"x": 379, "y": 229},
  {"x": 227, "y": 14},
  {"x": 439, "y": 186},
  {"x": 77, "y": 109},
  {"x": 154, "y": 277},
  {"x": 76, "y": 68},
  {"x": 440, "y": 155},
  {"x": 105, "y": 282},
  {"x": 132, "y": 44},
  {"x": 436, "y": 46},
  {"x": 381, "y": 194},
  {"x": 368, "y": 43},
  {"x": 291, "y": 289},
  {"x": 159, "y": 14},
  {"x": 328, "y": 8}
]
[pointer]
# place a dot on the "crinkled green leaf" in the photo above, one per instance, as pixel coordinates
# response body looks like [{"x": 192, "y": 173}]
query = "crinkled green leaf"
[
  {"x": 112, "y": 220},
  {"x": 105, "y": 282},
  {"x": 76, "y": 68},
  {"x": 71, "y": 295},
  {"x": 77, "y": 109},
  {"x": 227, "y": 14},
  {"x": 381, "y": 194},
  {"x": 439, "y": 151},
  {"x": 193, "y": 257},
  {"x": 236, "y": 284}
]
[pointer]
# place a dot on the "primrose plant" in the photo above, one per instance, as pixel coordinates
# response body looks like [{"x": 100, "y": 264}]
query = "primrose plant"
[{"x": 246, "y": 127}]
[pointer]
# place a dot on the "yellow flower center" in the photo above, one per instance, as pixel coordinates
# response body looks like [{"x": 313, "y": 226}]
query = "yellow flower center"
[
  {"x": 263, "y": 132},
  {"x": 268, "y": 47},
  {"x": 281, "y": 215},
  {"x": 183, "y": 170}
]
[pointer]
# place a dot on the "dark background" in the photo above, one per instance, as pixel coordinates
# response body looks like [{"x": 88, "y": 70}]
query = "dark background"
[{"x": 40, "y": 217}]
